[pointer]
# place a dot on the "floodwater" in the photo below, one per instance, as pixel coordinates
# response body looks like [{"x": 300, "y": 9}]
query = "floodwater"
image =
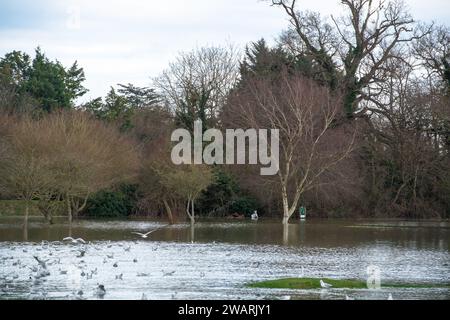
[{"x": 218, "y": 259}]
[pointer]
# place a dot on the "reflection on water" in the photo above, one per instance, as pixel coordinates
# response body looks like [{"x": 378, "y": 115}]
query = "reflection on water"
[{"x": 215, "y": 260}]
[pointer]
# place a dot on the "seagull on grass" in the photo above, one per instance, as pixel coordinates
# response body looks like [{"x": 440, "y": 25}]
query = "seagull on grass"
[
  {"x": 145, "y": 235},
  {"x": 325, "y": 285}
]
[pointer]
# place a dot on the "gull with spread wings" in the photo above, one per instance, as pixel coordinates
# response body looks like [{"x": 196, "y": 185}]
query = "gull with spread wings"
[{"x": 145, "y": 235}]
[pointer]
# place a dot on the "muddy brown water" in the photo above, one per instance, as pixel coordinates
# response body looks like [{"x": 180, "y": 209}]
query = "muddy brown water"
[{"x": 218, "y": 259}]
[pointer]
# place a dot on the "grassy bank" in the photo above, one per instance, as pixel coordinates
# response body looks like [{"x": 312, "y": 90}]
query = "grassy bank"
[
  {"x": 16, "y": 208},
  {"x": 312, "y": 283}
]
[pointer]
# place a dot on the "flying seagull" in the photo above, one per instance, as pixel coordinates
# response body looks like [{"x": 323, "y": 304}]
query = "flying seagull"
[
  {"x": 42, "y": 263},
  {"x": 145, "y": 235},
  {"x": 75, "y": 241},
  {"x": 325, "y": 285},
  {"x": 168, "y": 274},
  {"x": 143, "y": 275}
]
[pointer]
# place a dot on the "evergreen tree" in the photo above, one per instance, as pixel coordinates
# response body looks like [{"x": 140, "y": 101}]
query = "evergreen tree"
[
  {"x": 50, "y": 84},
  {"x": 263, "y": 61},
  {"x": 120, "y": 106},
  {"x": 15, "y": 68},
  {"x": 138, "y": 97}
]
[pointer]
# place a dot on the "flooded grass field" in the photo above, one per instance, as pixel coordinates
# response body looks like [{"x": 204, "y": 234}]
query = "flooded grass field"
[{"x": 218, "y": 260}]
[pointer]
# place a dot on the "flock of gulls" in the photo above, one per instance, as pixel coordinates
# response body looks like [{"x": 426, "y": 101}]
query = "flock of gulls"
[{"x": 40, "y": 272}]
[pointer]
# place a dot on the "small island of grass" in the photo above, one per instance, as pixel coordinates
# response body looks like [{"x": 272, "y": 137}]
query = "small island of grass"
[{"x": 313, "y": 283}]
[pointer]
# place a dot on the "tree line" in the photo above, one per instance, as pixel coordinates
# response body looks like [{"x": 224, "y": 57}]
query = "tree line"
[{"x": 361, "y": 102}]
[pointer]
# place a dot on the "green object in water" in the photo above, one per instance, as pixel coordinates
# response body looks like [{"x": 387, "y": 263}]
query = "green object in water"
[
  {"x": 302, "y": 213},
  {"x": 314, "y": 283}
]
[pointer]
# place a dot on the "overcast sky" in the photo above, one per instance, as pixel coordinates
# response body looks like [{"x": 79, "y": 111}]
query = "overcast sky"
[{"x": 122, "y": 41}]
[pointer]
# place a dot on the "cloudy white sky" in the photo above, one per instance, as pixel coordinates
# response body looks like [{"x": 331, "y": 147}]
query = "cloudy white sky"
[{"x": 121, "y": 41}]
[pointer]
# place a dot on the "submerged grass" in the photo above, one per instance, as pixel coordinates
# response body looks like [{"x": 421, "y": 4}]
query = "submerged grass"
[{"x": 313, "y": 283}]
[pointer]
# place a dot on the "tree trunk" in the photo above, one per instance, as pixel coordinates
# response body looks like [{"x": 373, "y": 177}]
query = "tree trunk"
[
  {"x": 46, "y": 211},
  {"x": 50, "y": 220},
  {"x": 25, "y": 232},
  {"x": 190, "y": 211},
  {"x": 285, "y": 199},
  {"x": 77, "y": 209},
  {"x": 192, "y": 233},
  {"x": 415, "y": 190},
  {"x": 286, "y": 234},
  {"x": 48, "y": 216},
  {"x": 25, "y": 222},
  {"x": 399, "y": 193},
  {"x": 169, "y": 212},
  {"x": 69, "y": 210},
  {"x": 27, "y": 212},
  {"x": 288, "y": 212},
  {"x": 350, "y": 97},
  {"x": 193, "y": 212}
]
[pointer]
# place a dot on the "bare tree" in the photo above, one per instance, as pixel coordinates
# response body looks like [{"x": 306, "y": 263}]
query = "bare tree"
[
  {"x": 305, "y": 114},
  {"x": 407, "y": 140},
  {"x": 87, "y": 156},
  {"x": 174, "y": 187},
  {"x": 433, "y": 51},
  {"x": 154, "y": 189},
  {"x": 187, "y": 182},
  {"x": 153, "y": 128},
  {"x": 196, "y": 84},
  {"x": 25, "y": 168},
  {"x": 351, "y": 51}
]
